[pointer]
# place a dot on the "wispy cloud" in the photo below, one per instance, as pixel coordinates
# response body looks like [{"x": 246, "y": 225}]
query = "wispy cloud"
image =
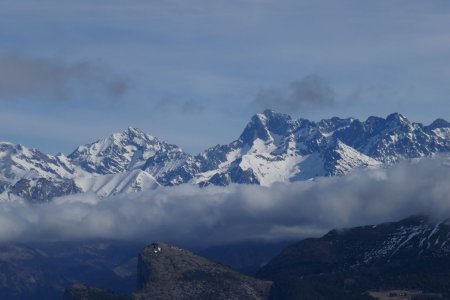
[
  {"x": 24, "y": 76},
  {"x": 311, "y": 92},
  {"x": 190, "y": 215}
]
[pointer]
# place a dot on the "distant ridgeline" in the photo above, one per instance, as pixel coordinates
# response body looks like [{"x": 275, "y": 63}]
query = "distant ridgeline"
[{"x": 272, "y": 148}]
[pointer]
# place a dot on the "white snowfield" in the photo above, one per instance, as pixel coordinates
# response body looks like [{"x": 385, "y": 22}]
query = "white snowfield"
[
  {"x": 272, "y": 148},
  {"x": 113, "y": 184}
]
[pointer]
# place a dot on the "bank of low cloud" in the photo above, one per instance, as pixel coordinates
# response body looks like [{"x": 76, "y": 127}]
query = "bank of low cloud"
[{"x": 216, "y": 215}]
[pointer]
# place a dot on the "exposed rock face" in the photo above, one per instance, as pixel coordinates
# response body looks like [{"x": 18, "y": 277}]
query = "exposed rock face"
[
  {"x": 40, "y": 190},
  {"x": 166, "y": 272}
]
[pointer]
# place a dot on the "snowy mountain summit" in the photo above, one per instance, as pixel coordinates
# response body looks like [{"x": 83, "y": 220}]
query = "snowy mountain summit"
[
  {"x": 273, "y": 147},
  {"x": 128, "y": 150}
]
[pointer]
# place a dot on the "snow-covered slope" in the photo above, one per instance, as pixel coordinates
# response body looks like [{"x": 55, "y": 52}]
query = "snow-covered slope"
[
  {"x": 17, "y": 162},
  {"x": 112, "y": 184}
]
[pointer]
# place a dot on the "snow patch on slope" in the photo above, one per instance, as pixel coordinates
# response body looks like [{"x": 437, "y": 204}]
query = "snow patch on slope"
[{"x": 113, "y": 184}]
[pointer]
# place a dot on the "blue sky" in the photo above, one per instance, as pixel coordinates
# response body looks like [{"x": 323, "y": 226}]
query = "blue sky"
[{"x": 194, "y": 72}]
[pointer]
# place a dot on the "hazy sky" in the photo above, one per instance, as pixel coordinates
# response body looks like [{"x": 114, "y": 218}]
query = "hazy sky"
[{"x": 194, "y": 72}]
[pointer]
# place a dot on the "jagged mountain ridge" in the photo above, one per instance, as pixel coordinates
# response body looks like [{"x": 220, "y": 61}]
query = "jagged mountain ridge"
[{"x": 273, "y": 147}]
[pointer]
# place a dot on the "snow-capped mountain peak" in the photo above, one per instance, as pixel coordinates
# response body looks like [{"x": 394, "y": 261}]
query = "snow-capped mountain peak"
[
  {"x": 256, "y": 129},
  {"x": 266, "y": 125},
  {"x": 397, "y": 118},
  {"x": 124, "y": 151}
]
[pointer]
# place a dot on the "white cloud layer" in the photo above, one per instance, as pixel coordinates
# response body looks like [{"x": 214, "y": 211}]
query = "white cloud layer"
[{"x": 215, "y": 215}]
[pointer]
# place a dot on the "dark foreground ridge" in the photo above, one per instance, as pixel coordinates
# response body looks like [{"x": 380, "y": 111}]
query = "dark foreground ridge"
[
  {"x": 410, "y": 257},
  {"x": 412, "y": 254},
  {"x": 167, "y": 272}
]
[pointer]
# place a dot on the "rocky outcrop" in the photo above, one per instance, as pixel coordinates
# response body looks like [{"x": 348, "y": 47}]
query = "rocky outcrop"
[{"x": 167, "y": 272}]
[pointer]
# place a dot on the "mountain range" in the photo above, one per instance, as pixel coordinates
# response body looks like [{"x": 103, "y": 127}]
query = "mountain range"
[{"x": 273, "y": 147}]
